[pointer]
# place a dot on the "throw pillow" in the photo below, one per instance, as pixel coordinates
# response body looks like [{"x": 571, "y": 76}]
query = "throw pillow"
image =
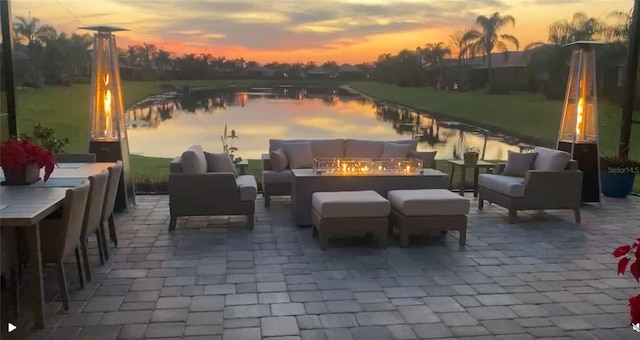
[
  {"x": 519, "y": 163},
  {"x": 278, "y": 159},
  {"x": 299, "y": 155},
  {"x": 395, "y": 150},
  {"x": 427, "y": 158},
  {"x": 220, "y": 162},
  {"x": 550, "y": 159}
]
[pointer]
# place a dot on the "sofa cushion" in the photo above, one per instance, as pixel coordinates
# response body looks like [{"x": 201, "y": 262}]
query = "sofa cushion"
[
  {"x": 299, "y": 155},
  {"x": 278, "y": 159},
  {"x": 327, "y": 148},
  {"x": 275, "y": 144},
  {"x": 506, "y": 185},
  {"x": 193, "y": 161},
  {"x": 550, "y": 159},
  {"x": 427, "y": 158},
  {"x": 354, "y": 148},
  {"x": 277, "y": 177},
  {"x": 220, "y": 162},
  {"x": 519, "y": 163},
  {"x": 428, "y": 202},
  {"x": 347, "y": 204},
  {"x": 248, "y": 187},
  {"x": 395, "y": 150}
]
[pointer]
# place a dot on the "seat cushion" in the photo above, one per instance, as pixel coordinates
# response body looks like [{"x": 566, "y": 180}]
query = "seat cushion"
[
  {"x": 428, "y": 202},
  {"x": 348, "y": 204},
  {"x": 278, "y": 159},
  {"x": 248, "y": 187},
  {"x": 220, "y": 162},
  {"x": 193, "y": 160},
  {"x": 299, "y": 155},
  {"x": 395, "y": 150},
  {"x": 550, "y": 159},
  {"x": 277, "y": 177},
  {"x": 506, "y": 185},
  {"x": 519, "y": 163}
]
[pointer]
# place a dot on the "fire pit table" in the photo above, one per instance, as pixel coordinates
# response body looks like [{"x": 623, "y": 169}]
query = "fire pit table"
[{"x": 380, "y": 175}]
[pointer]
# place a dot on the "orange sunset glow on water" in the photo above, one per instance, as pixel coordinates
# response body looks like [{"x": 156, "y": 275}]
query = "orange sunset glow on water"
[{"x": 347, "y": 31}]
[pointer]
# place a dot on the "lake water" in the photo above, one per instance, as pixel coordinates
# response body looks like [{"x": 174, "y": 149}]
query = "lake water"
[{"x": 167, "y": 124}]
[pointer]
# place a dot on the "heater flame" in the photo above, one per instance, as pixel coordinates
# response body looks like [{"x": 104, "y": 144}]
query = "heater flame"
[
  {"x": 107, "y": 107},
  {"x": 579, "y": 117}
]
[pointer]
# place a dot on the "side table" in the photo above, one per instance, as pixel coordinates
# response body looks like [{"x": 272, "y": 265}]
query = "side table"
[
  {"x": 242, "y": 166},
  {"x": 463, "y": 175}
]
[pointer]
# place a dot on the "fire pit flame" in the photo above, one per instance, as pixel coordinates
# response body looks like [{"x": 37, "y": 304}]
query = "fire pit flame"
[{"x": 406, "y": 166}]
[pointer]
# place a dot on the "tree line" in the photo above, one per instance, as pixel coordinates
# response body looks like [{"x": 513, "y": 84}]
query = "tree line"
[{"x": 62, "y": 58}]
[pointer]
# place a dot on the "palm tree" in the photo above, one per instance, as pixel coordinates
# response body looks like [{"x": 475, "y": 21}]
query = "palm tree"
[
  {"x": 34, "y": 35},
  {"x": 485, "y": 40},
  {"x": 433, "y": 54}
]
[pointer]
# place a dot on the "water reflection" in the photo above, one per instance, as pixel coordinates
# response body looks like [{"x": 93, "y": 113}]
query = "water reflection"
[{"x": 165, "y": 125}]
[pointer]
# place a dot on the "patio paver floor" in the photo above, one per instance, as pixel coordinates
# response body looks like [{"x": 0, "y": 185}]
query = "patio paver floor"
[{"x": 213, "y": 279}]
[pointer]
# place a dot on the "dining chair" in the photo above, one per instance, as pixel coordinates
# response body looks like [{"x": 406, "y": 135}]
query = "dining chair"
[
  {"x": 75, "y": 157},
  {"x": 93, "y": 214},
  {"x": 61, "y": 236},
  {"x": 109, "y": 205},
  {"x": 9, "y": 264}
]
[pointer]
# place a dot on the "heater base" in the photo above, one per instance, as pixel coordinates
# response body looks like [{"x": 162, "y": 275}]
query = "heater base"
[
  {"x": 586, "y": 154},
  {"x": 112, "y": 151}
]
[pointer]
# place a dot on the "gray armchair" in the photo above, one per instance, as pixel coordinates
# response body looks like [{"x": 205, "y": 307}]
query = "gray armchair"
[
  {"x": 199, "y": 187},
  {"x": 539, "y": 189}
]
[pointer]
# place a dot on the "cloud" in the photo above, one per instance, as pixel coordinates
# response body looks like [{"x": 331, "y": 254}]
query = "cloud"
[{"x": 296, "y": 25}]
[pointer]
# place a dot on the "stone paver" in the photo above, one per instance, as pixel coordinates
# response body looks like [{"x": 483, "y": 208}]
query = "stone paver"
[{"x": 214, "y": 279}]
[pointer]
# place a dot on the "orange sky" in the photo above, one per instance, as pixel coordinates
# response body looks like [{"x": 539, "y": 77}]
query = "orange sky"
[{"x": 347, "y": 31}]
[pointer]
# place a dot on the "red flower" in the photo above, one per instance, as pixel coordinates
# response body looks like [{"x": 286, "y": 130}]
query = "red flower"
[
  {"x": 622, "y": 265},
  {"x": 16, "y": 154},
  {"x": 634, "y": 306},
  {"x": 621, "y": 251}
]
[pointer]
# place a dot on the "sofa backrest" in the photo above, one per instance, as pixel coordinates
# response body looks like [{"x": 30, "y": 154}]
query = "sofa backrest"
[
  {"x": 351, "y": 148},
  {"x": 356, "y": 148},
  {"x": 321, "y": 148},
  {"x": 550, "y": 159}
]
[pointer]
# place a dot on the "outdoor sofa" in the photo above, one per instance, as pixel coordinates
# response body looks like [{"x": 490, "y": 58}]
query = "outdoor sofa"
[
  {"x": 206, "y": 184},
  {"x": 285, "y": 155}
]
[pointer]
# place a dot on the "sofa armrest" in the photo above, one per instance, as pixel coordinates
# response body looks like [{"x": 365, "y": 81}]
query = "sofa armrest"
[
  {"x": 557, "y": 186},
  {"x": 266, "y": 162},
  {"x": 248, "y": 187},
  {"x": 175, "y": 167},
  {"x": 499, "y": 168}
]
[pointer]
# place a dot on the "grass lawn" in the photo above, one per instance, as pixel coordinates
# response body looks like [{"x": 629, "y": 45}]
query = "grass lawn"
[{"x": 524, "y": 114}]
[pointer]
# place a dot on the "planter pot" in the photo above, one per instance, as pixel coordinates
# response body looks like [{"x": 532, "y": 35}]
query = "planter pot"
[
  {"x": 471, "y": 157},
  {"x": 27, "y": 175},
  {"x": 617, "y": 185}
]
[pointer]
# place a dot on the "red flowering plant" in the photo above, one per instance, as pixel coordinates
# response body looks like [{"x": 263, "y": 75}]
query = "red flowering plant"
[
  {"x": 17, "y": 154},
  {"x": 626, "y": 254}
]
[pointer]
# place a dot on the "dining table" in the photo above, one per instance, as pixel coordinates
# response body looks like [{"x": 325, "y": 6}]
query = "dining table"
[{"x": 25, "y": 206}]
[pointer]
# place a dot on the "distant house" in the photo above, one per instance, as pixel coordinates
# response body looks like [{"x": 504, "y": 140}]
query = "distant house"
[
  {"x": 23, "y": 71},
  {"x": 259, "y": 72},
  {"x": 350, "y": 72},
  {"x": 507, "y": 70},
  {"x": 317, "y": 73}
]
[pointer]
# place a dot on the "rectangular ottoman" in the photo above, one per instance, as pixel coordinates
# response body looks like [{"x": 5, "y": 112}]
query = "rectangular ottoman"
[
  {"x": 416, "y": 212},
  {"x": 350, "y": 213}
]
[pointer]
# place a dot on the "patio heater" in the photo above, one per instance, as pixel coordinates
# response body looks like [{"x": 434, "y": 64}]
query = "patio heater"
[
  {"x": 579, "y": 128},
  {"x": 108, "y": 135}
]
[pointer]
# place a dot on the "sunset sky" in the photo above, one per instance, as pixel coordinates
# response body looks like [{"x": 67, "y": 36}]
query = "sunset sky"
[{"x": 347, "y": 31}]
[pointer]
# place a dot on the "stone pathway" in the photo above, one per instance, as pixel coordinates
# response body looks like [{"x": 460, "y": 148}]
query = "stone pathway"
[{"x": 544, "y": 277}]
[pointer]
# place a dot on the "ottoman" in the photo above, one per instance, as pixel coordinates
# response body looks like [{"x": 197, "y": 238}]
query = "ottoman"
[
  {"x": 350, "y": 213},
  {"x": 416, "y": 212}
]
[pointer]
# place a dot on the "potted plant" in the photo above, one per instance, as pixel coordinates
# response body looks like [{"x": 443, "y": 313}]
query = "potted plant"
[
  {"x": 21, "y": 161},
  {"x": 617, "y": 176},
  {"x": 625, "y": 255},
  {"x": 226, "y": 146},
  {"x": 471, "y": 155}
]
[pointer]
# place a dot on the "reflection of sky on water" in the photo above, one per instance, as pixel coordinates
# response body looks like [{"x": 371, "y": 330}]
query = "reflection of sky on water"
[{"x": 168, "y": 127}]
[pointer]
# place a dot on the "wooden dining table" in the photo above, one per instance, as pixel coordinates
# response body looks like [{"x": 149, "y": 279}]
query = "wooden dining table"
[{"x": 24, "y": 206}]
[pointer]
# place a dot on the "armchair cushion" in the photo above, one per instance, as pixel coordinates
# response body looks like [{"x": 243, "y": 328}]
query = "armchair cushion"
[
  {"x": 394, "y": 150},
  {"x": 299, "y": 155},
  {"x": 427, "y": 157},
  {"x": 519, "y": 163},
  {"x": 248, "y": 187},
  {"x": 193, "y": 161},
  {"x": 506, "y": 185},
  {"x": 220, "y": 162},
  {"x": 278, "y": 159},
  {"x": 550, "y": 159}
]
